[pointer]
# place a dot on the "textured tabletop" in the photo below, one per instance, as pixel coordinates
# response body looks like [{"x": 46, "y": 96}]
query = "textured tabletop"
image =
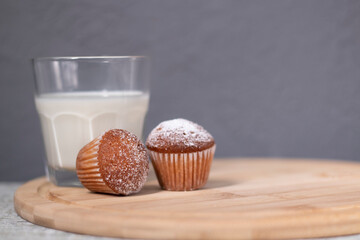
[{"x": 14, "y": 227}]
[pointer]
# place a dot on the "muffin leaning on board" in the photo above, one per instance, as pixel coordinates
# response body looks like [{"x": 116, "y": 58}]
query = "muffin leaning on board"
[{"x": 117, "y": 162}]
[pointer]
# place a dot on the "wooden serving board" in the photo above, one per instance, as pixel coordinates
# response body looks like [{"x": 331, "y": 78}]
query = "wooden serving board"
[{"x": 244, "y": 198}]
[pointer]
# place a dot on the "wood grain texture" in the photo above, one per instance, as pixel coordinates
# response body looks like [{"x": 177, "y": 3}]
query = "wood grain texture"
[{"x": 244, "y": 198}]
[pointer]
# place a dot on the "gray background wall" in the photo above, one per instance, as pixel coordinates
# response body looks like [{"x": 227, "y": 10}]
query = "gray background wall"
[{"x": 266, "y": 78}]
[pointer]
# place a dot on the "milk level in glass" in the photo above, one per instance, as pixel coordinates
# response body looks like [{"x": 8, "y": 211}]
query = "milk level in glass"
[{"x": 71, "y": 120}]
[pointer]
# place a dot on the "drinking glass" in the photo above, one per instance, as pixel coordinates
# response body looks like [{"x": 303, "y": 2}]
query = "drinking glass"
[{"x": 79, "y": 98}]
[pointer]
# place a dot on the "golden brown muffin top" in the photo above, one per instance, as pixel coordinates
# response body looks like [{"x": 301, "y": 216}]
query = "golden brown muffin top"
[
  {"x": 123, "y": 161},
  {"x": 179, "y": 136}
]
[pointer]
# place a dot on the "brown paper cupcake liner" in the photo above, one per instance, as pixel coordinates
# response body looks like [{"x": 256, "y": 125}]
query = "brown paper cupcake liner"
[
  {"x": 88, "y": 169},
  {"x": 182, "y": 171}
]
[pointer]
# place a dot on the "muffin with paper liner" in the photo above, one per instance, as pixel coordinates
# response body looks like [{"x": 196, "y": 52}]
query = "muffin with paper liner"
[
  {"x": 181, "y": 152},
  {"x": 116, "y": 162}
]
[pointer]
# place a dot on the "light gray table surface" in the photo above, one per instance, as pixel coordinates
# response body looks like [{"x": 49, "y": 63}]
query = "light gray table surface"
[{"x": 14, "y": 227}]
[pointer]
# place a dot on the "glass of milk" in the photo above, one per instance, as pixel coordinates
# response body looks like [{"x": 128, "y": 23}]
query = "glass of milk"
[{"x": 78, "y": 98}]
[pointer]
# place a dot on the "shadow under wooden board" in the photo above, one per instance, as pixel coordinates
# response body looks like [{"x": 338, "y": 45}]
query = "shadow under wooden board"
[{"x": 244, "y": 198}]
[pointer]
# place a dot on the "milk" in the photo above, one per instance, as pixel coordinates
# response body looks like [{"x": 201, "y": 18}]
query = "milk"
[{"x": 71, "y": 120}]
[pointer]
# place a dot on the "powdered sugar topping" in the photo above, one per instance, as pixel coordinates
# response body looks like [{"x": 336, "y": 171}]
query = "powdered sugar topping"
[
  {"x": 124, "y": 161},
  {"x": 178, "y": 132}
]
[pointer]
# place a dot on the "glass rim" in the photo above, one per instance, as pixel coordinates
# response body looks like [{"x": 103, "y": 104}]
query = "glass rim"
[{"x": 75, "y": 58}]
